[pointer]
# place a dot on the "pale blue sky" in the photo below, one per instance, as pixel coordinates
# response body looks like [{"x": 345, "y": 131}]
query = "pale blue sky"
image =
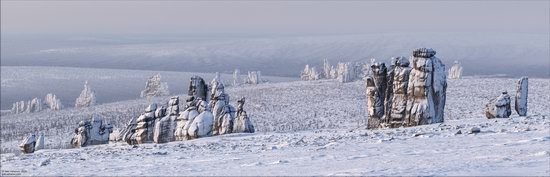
[{"x": 274, "y": 17}]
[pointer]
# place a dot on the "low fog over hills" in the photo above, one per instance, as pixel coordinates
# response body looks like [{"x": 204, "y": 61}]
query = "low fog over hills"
[{"x": 480, "y": 53}]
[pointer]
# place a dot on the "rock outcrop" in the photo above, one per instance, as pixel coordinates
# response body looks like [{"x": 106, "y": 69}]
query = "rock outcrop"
[
  {"x": 143, "y": 133},
  {"x": 202, "y": 124},
  {"x": 521, "y": 96},
  {"x": 166, "y": 126},
  {"x": 87, "y": 97},
  {"x": 399, "y": 85},
  {"x": 499, "y": 107},
  {"x": 53, "y": 102},
  {"x": 309, "y": 74},
  {"x": 402, "y": 96},
  {"x": 242, "y": 123},
  {"x": 184, "y": 120},
  {"x": 254, "y": 77},
  {"x": 455, "y": 72},
  {"x": 237, "y": 80},
  {"x": 28, "y": 144},
  {"x": 92, "y": 132},
  {"x": 198, "y": 88},
  {"x": 426, "y": 89},
  {"x": 154, "y": 87},
  {"x": 375, "y": 105}
]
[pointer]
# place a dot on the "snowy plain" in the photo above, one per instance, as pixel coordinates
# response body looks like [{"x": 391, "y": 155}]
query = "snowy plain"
[{"x": 306, "y": 128}]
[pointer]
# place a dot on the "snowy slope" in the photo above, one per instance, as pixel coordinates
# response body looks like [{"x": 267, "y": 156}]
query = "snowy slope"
[{"x": 310, "y": 128}]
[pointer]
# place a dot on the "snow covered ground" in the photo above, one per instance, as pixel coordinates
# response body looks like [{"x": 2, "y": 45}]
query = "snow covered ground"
[{"x": 308, "y": 128}]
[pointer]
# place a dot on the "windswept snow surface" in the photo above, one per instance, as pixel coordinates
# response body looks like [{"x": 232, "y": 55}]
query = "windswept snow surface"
[{"x": 311, "y": 128}]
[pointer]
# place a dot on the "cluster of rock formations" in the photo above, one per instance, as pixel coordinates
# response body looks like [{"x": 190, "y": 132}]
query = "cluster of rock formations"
[
  {"x": 455, "y": 72},
  {"x": 154, "y": 87},
  {"x": 406, "y": 96},
  {"x": 92, "y": 132},
  {"x": 500, "y": 107},
  {"x": 203, "y": 115},
  {"x": 31, "y": 143},
  {"x": 36, "y": 105},
  {"x": 87, "y": 97},
  {"x": 343, "y": 72},
  {"x": 253, "y": 77}
]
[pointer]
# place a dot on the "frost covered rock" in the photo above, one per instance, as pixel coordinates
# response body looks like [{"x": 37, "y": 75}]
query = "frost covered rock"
[
  {"x": 154, "y": 87},
  {"x": 198, "y": 88},
  {"x": 145, "y": 125},
  {"x": 455, "y": 72},
  {"x": 310, "y": 73},
  {"x": 165, "y": 127},
  {"x": 185, "y": 119},
  {"x": 521, "y": 96},
  {"x": 379, "y": 75},
  {"x": 426, "y": 92},
  {"x": 218, "y": 103},
  {"x": 28, "y": 144},
  {"x": 35, "y": 105},
  {"x": 87, "y": 97},
  {"x": 92, "y": 132},
  {"x": 499, "y": 107},
  {"x": 375, "y": 105},
  {"x": 399, "y": 85},
  {"x": 344, "y": 72},
  {"x": 202, "y": 124},
  {"x": 40, "y": 142},
  {"x": 254, "y": 77},
  {"x": 18, "y": 107},
  {"x": 242, "y": 123},
  {"x": 237, "y": 80},
  {"x": 53, "y": 102}
]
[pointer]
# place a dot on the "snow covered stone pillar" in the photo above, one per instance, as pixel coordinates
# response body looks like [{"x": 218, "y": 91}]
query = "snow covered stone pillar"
[
  {"x": 375, "y": 105},
  {"x": 521, "y": 96},
  {"x": 154, "y": 87},
  {"x": 28, "y": 144},
  {"x": 237, "y": 78},
  {"x": 53, "y": 102},
  {"x": 242, "y": 123},
  {"x": 184, "y": 120},
  {"x": 198, "y": 88},
  {"x": 40, "y": 142},
  {"x": 166, "y": 126},
  {"x": 87, "y": 97},
  {"x": 145, "y": 126},
  {"x": 202, "y": 124},
  {"x": 379, "y": 74},
  {"x": 91, "y": 132},
  {"x": 426, "y": 92},
  {"x": 455, "y": 72},
  {"x": 499, "y": 107},
  {"x": 399, "y": 84}
]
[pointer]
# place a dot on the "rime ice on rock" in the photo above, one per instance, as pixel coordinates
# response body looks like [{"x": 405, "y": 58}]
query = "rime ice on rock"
[
  {"x": 455, "y": 72},
  {"x": 203, "y": 123},
  {"x": 254, "y": 77},
  {"x": 166, "y": 126},
  {"x": 40, "y": 142},
  {"x": 53, "y": 102},
  {"x": 28, "y": 144},
  {"x": 310, "y": 74},
  {"x": 399, "y": 85},
  {"x": 242, "y": 123},
  {"x": 143, "y": 133},
  {"x": 92, "y": 132},
  {"x": 521, "y": 96},
  {"x": 154, "y": 87},
  {"x": 218, "y": 104},
  {"x": 375, "y": 105},
  {"x": 237, "y": 78},
  {"x": 499, "y": 107},
  {"x": 197, "y": 88},
  {"x": 183, "y": 122},
  {"x": 87, "y": 97},
  {"x": 426, "y": 89}
]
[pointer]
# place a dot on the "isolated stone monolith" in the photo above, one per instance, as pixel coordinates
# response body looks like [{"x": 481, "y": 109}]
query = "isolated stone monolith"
[{"x": 521, "y": 96}]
